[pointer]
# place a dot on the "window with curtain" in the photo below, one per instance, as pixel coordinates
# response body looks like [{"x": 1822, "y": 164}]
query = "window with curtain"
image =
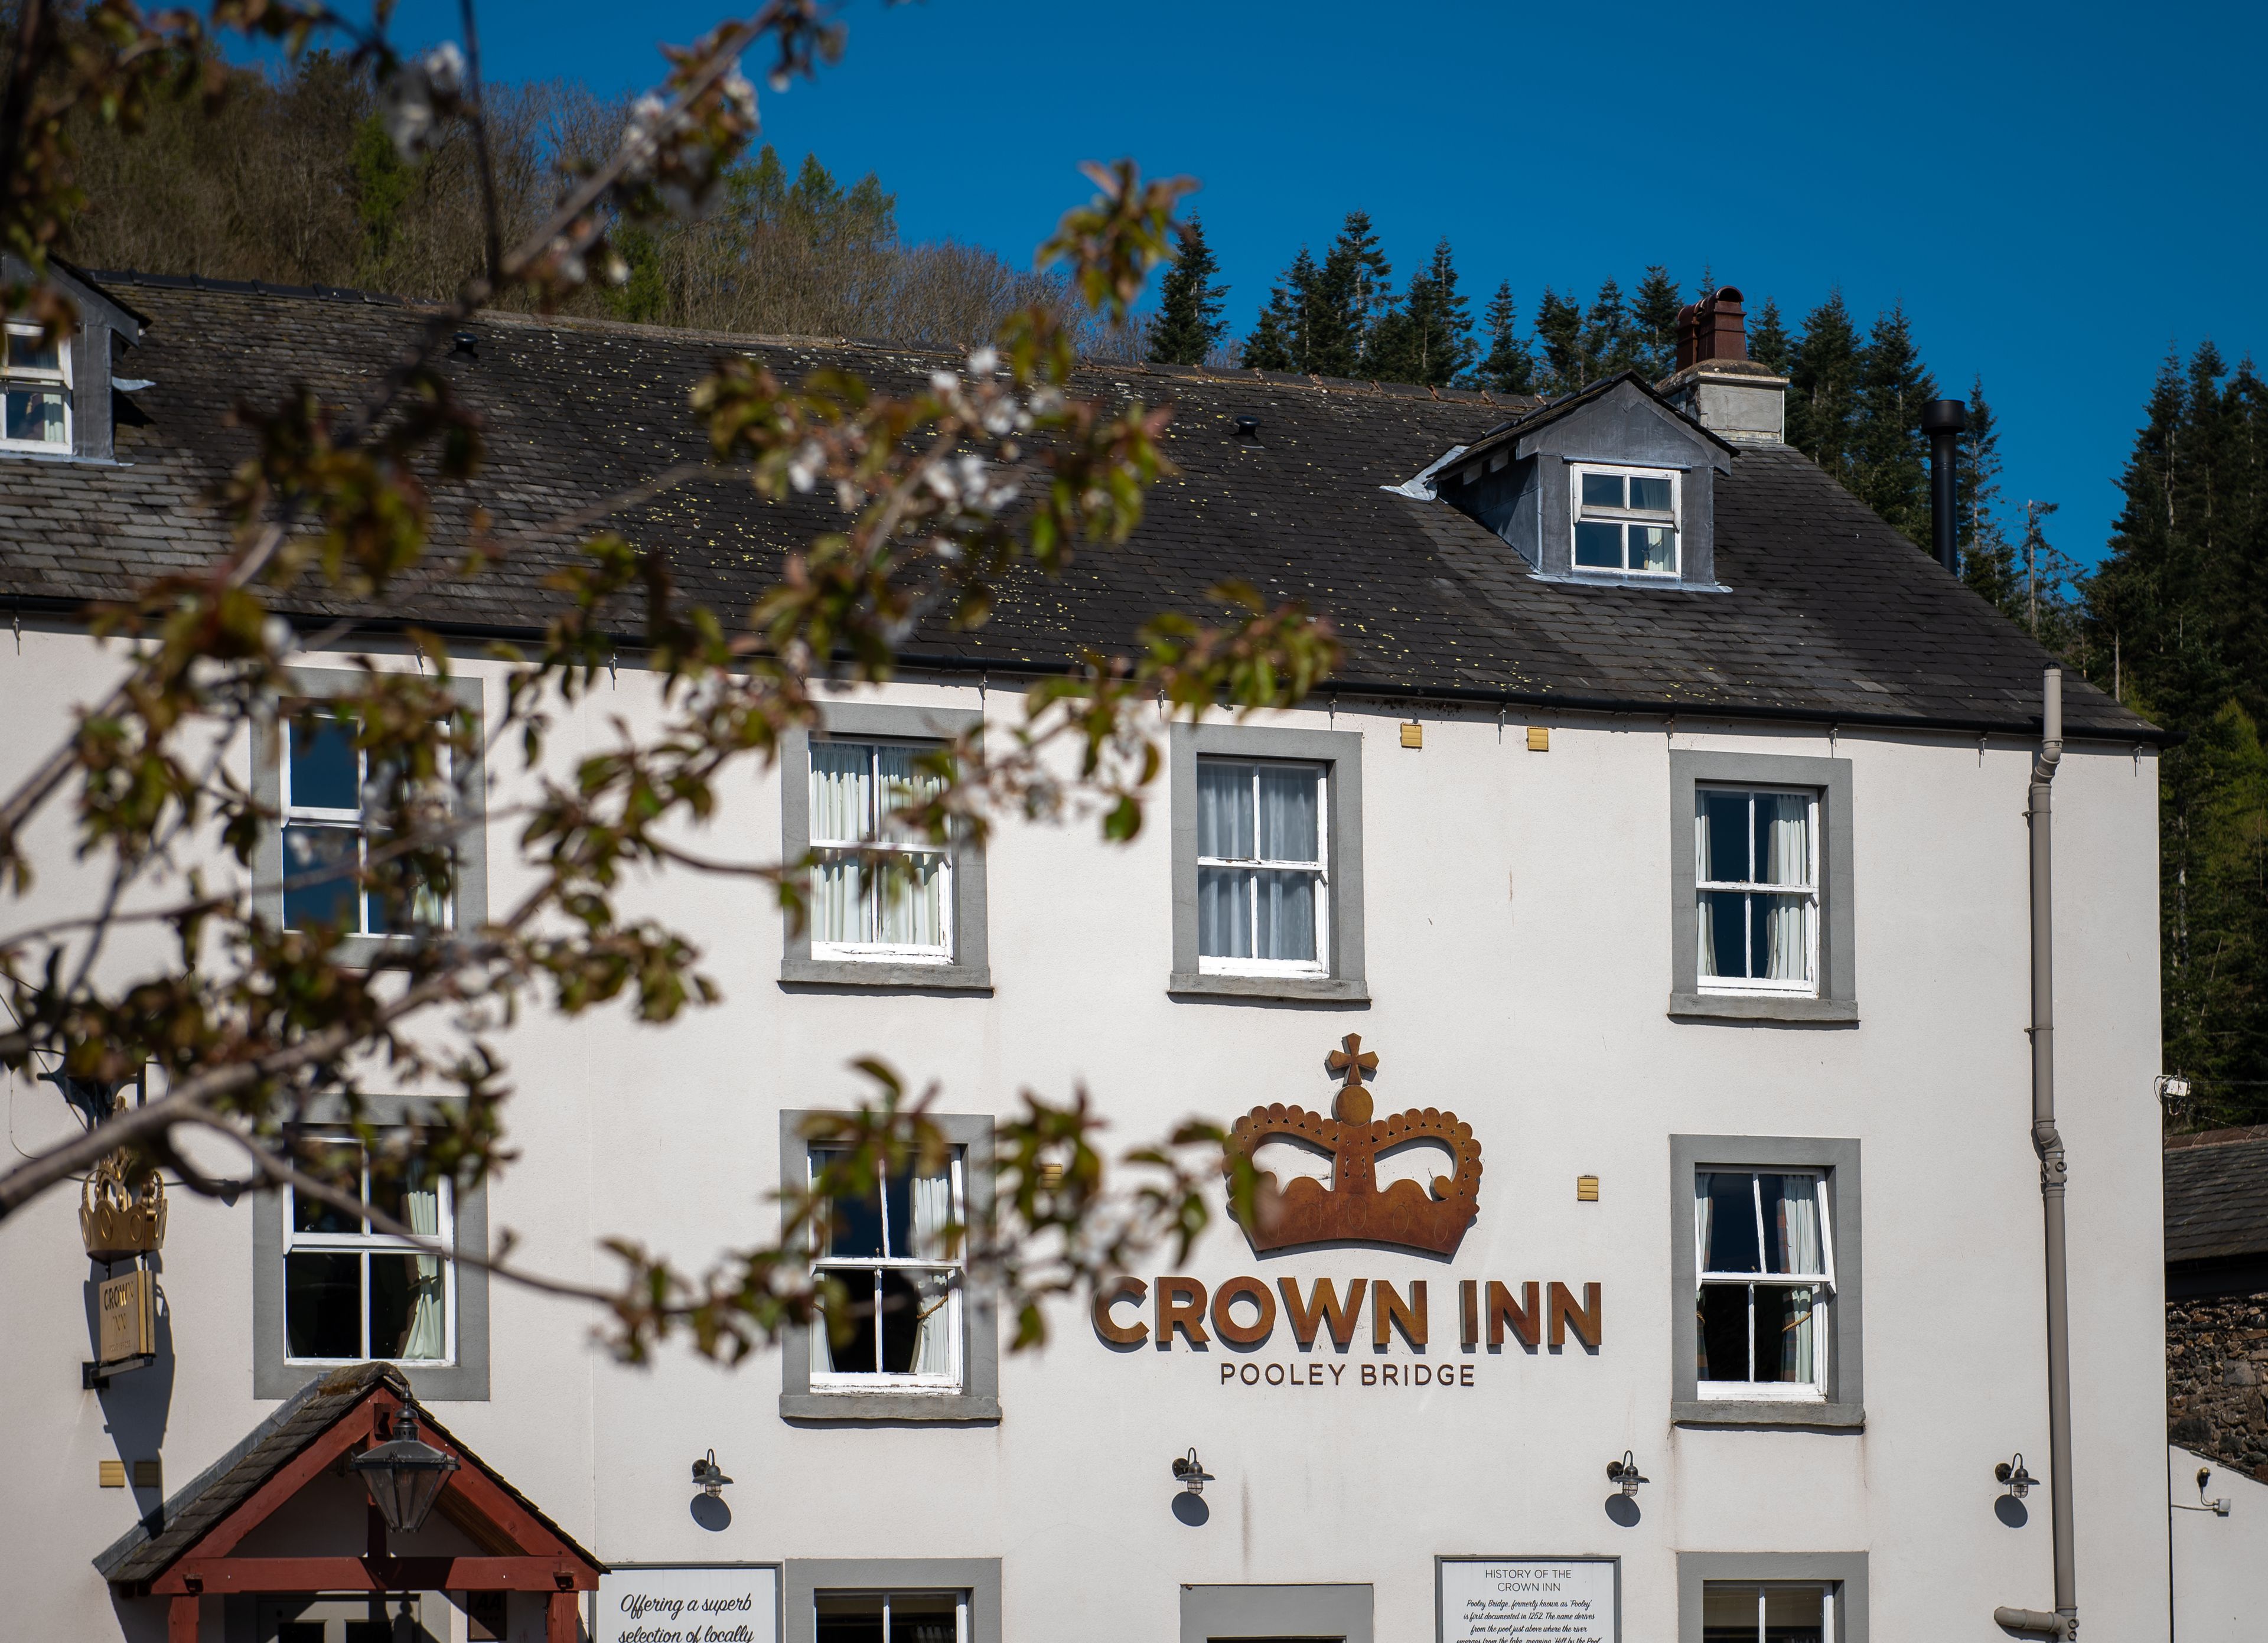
[
  {"x": 1757, "y": 868},
  {"x": 335, "y": 806},
  {"x": 891, "y": 1618},
  {"x": 894, "y": 1252},
  {"x": 35, "y": 389},
  {"x": 1745, "y": 1612},
  {"x": 880, "y": 889},
  {"x": 352, "y": 1294},
  {"x": 1625, "y": 519},
  {"x": 1765, "y": 1253},
  {"x": 1262, "y": 886}
]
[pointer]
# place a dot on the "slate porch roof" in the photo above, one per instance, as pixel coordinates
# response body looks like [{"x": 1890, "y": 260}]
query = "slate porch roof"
[
  {"x": 1831, "y": 617},
  {"x": 2217, "y": 1194},
  {"x": 140, "y": 1556}
]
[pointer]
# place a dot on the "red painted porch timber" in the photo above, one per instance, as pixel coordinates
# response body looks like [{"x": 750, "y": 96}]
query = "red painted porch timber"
[
  {"x": 559, "y": 1618},
  {"x": 181, "y": 1619},
  {"x": 561, "y": 1575}
]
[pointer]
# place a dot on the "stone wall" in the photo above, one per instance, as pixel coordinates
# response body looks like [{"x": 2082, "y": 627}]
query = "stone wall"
[{"x": 2217, "y": 1378}]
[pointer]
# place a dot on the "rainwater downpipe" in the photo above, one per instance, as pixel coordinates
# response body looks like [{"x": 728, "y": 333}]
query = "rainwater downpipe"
[{"x": 2064, "y": 1622}]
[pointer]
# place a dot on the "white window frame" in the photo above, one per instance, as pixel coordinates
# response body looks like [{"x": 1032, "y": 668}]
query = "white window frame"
[
  {"x": 1825, "y": 1588},
  {"x": 1808, "y": 889},
  {"x": 956, "y": 1320},
  {"x": 1320, "y": 868},
  {"x": 366, "y": 1244},
  {"x": 1578, "y": 513},
  {"x": 1821, "y": 1284},
  {"x": 959, "y": 1603},
  {"x": 871, "y": 882},
  {"x": 296, "y": 814},
  {"x": 58, "y": 379}
]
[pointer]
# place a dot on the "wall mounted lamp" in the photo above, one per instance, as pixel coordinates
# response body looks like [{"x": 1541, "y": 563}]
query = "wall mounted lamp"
[
  {"x": 708, "y": 1476},
  {"x": 404, "y": 1477},
  {"x": 2012, "y": 1473},
  {"x": 1626, "y": 1473},
  {"x": 2172, "y": 1088},
  {"x": 1189, "y": 1472}
]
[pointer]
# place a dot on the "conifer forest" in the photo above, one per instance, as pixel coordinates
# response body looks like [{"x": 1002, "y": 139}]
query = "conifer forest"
[{"x": 294, "y": 180}]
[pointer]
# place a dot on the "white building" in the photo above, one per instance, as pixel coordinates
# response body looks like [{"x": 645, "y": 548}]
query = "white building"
[{"x": 1476, "y": 850}]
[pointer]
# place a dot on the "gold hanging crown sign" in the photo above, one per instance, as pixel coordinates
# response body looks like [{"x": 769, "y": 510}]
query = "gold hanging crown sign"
[
  {"x": 1352, "y": 1208},
  {"x": 119, "y": 1216}
]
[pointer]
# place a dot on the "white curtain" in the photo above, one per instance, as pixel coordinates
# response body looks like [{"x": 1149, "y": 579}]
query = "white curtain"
[
  {"x": 1793, "y": 1202},
  {"x": 427, "y": 1336},
  {"x": 1288, "y": 813},
  {"x": 1701, "y": 1221},
  {"x": 1705, "y": 963},
  {"x": 932, "y": 1216},
  {"x": 1224, "y": 821},
  {"x": 841, "y": 812},
  {"x": 1796, "y": 1363},
  {"x": 1783, "y": 844}
]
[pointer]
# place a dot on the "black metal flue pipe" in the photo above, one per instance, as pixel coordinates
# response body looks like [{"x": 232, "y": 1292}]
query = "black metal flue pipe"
[{"x": 1943, "y": 421}]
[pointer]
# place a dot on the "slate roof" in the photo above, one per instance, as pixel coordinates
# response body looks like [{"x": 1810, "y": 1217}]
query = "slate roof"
[
  {"x": 1831, "y": 617},
  {"x": 140, "y": 1556},
  {"x": 2217, "y": 1194}
]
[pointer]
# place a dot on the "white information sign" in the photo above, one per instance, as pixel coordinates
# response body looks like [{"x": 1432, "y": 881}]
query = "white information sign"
[
  {"x": 680, "y": 1605},
  {"x": 1528, "y": 1600}
]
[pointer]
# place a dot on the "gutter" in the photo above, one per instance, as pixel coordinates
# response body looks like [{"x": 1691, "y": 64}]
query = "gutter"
[
  {"x": 2145, "y": 734},
  {"x": 2047, "y": 1141}
]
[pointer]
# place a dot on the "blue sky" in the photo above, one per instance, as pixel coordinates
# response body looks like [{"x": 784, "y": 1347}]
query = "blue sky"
[{"x": 2056, "y": 195}]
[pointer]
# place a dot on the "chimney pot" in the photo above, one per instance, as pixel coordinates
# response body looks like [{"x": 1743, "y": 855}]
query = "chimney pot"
[{"x": 1716, "y": 383}]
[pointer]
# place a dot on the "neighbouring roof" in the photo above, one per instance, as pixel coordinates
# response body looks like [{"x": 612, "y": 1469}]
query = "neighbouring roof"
[
  {"x": 1830, "y": 616},
  {"x": 2217, "y": 1194},
  {"x": 141, "y": 1555}
]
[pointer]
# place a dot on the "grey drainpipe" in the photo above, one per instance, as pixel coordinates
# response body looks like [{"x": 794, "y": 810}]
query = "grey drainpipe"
[{"x": 2064, "y": 1622}]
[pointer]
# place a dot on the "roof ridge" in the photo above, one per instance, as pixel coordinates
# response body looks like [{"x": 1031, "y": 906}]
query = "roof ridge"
[
  {"x": 1522, "y": 404},
  {"x": 2218, "y": 1137}
]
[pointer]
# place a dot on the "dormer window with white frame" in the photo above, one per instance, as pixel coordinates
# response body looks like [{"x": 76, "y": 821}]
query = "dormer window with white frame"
[
  {"x": 35, "y": 386},
  {"x": 1626, "y": 519}
]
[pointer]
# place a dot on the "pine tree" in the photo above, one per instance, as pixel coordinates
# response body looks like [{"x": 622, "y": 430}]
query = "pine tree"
[
  {"x": 1507, "y": 367},
  {"x": 1608, "y": 344},
  {"x": 1988, "y": 562},
  {"x": 1349, "y": 295},
  {"x": 1767, "y": 340},
  {"x": 1429, "y": 338},
  {"x": 1278, "y": 337},
  {"x": 1823, "y": 390},
  {"x": 1891, "y": 453},
  {"x": 1654, "y": 311},
  {"x": 2172, "y": 622},
  {"x": 1188, "y": 323},
  {"x": 1559, "y": 329}
]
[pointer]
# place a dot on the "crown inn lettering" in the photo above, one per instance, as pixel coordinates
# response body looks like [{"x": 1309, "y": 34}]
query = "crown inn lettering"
[{"x": 1276, "y": 1215}]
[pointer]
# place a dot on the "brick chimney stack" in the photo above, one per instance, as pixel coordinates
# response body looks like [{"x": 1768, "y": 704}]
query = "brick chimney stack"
[{"x": 1716, "y": 383}]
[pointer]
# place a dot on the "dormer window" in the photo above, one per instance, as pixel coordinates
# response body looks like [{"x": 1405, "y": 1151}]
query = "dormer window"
[
  {"x": 1626, "y": 519},
  {"x": 35, "y": 386}
]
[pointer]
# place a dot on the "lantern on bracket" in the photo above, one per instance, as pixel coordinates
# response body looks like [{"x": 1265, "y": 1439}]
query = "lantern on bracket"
[{"x": 405, "y": 1475}]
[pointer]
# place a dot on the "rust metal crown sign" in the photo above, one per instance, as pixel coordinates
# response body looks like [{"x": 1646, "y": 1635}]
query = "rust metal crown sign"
[{"x": 1352, "y": 1208}]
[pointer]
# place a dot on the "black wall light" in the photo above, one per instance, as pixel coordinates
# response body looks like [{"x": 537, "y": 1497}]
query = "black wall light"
[
  {"x": 708, "y": 1476},
  {"x": 404, "y": 1477},
  {"x": 1626, "y": 1473},
  {"x": 2012, "y": 1473},
  {"x": 1189, "y": 1472}
]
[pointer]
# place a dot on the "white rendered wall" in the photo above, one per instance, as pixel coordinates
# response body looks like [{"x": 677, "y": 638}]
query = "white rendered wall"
[
  {"x": 1518, "y": 917},
  {"x": 2220, "y": 1564}
]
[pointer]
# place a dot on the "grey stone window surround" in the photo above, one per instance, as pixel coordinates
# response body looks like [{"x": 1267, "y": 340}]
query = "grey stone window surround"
[
  {"x": 1838, "y": 983},
  {"x": 1845, "y": 1410},
  {"x": 471, "y": 897},
  {"x": 1342, "y": 751},
  {"x": 979, "y": 1397},
  {"x": 970, "y": 970},
  {"x": 464, "y": 1382},
  {"x": 803, "y": 1579},
  {"x": 1338, "y": 1612},
  {"x": 1846, "y": 1571}
]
